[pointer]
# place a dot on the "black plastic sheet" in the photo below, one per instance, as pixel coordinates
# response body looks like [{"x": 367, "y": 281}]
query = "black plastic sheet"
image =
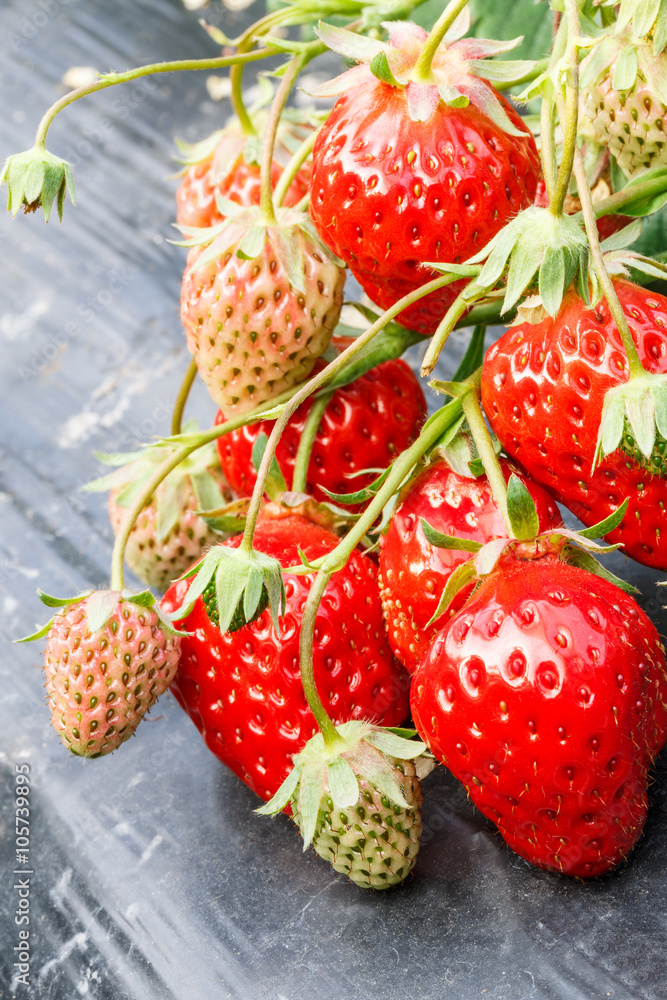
[{"x": 150, "y": 874}]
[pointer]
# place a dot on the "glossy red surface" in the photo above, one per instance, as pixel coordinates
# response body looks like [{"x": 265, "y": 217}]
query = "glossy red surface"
[
  {"x": 366, "y": 425},
  {"x": 543, "y": 388},
  {"x": 389, "y": 194},
  {"x": 243, "y": 689},
  {"x": 414, "y": 573},
  {"x": 546, "y": 697}
]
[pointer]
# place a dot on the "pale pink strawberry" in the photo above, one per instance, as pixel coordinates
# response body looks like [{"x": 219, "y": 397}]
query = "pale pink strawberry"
[
  {"x": 109, "y": 656},
  {"x": 258, "y": 318}
]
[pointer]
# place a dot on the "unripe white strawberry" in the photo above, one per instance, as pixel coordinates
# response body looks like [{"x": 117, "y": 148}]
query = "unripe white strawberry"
[
  {"x": 257, "y": 319},
  {"x": 109, "y": 656}
]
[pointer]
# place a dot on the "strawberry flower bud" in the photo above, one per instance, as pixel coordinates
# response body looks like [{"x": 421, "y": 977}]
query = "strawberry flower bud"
[{"x": 36, "y": 179}]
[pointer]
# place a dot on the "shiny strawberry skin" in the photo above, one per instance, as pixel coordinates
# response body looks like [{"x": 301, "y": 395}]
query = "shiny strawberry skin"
[
  {"x": 414, "y": 573},
  {"x": 389, "y": 194},
  {"x": 243, "y": 689},
  {"x": 366, "y": 425},
  {"x": 543, "y": 388},
  {"x": 546, "y": 696}
]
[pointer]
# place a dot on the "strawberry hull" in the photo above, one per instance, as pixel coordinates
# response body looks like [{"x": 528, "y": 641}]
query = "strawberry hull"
[
  {"x": 243, "y": 690},
  {"x": 546, "y": 697},
  {"x": 543, "y": 389}
]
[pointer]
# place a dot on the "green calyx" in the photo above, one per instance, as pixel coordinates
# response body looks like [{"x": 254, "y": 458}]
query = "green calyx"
[
  {"x": 100, "y": 605},
  {"x": 199, "y": 474},
  {"x": 578, "y": 548},
  {"x": 36, "y": 179},
  {"x": 239, "y": 585},
  {"x": 537, "y": 248},
  {"x": 634, "y": 419},
  {"x": 648, "y": 19},
  {"x": 357, "y": 802},
  {"x": 246, "y": 233}
]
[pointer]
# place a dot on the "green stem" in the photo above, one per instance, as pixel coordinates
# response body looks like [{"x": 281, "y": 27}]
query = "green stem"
[
  {"x": 312, "y": 425},
  {"x": 570, "y": 119},
  {"x": 422, "y": 70},
  {"x": 306, "y": 636},
  {"x": 548, "y": 146},
  {"x": 486, "y": 451},
  {"x": 459, "y": 306},
  {"x": 631, "y": 193},
  {"x": 112, "y": 79},
  {"x": 182, "y": 398},
  {"x": 169, "y": 464},
  {"x": 293, "y": 167},
  {"x": 317, "y": 382},
  {"x": 634, "y": 364},
  {"x": 266, "y": 167},
  {"x": 236, "y": 80}
]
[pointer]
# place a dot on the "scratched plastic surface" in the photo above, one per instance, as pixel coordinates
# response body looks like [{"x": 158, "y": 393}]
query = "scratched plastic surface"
[{"x": 153, "y": 879}]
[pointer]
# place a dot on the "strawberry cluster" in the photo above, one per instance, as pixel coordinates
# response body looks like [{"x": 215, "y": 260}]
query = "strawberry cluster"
[{"x": 333, "y": 561}]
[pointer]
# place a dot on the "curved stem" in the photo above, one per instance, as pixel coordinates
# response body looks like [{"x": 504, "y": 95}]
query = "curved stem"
[
  {"x": 487, "y": 453},
  {"x": 634, "y": 364},
  {"x": 422, "y": 70},
  {"x": 459, "y": 306},
  {"x": 169, "y": 464},
  {"x": 112, "y": 79},
  {"x": 293, "y": 167},
  {"x": 236, "y": 96},
  {"x": 266, "y": 167},
  {"x": 182, "y": 398},
  {"x": 570, "y": 119},
  {"x": 548, "y": 146},
  {"x": 312, "y": 425},
  {"x": 629, "y": 194},
  {"x": 306, "y": 636},
  {"x": 317, "y": 382}
]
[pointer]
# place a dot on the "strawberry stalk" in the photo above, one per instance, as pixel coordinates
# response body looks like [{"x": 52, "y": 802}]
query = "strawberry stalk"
[
  {"x": 182, "y": 397},
  {"x": 459, "y": 306},
  {"x": 169, "y": 464},
  {"x": 311, "y": 427},
  {"x": 547, "y": 116},
  {"x": 570, "y": 117},
  {"x": 422, "y": 70},
  {"x": 319, "y": 381},
  {"x": 292, "y": 168},
  {"x": 484, "y": 444},
  {"x": 112, "y": 79},
  {"x": 332, "y": 740},
  {"x": 279, "y": 101}
]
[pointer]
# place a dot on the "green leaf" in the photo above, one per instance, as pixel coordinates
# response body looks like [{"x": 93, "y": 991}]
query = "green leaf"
[
  {"x": 521, "y": 510},
  {"x": 641, "y": 417},
  {"x": 252, "y": 243},
  {"x": 394, "y": 745},
  {"x": 647, "y": 205},
  {"x": 603, "y": 528},
  {"x": 44, "y": 630},
  {"x": 625, "y": 69},
  {"x": 343, "y": 784},
  {"x": 584, "y": 560},
  {"x": 283, "y": 795},
  {"x": 448, "y": 541},
  {"x": 143, "y": 600},
  {"x": 523, "y": 266},
  {"x": 61, "y": 602},
  {"x": 611, "y": 424},
  {"x": 461, "y": 576},
  {"x": 99, "y": 608},
  {"x": 381, "y": 70},
  {"x": 310, "y": 795},
  {"x": 552, "y": 279}
]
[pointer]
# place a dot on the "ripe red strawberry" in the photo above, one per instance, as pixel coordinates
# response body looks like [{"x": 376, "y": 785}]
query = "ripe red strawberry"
[
  {"x": 365, "y": 426},
  {"x": 218, "y": 166},
  {"x": 401, "y": 178},
  {"x": 243, "y": 689},
  {"x": 414, "y": 573},
  {"x": 257, "y": 320},
  {"x": 543, "y": 388},
  {"x": 546, "y": 696}
]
